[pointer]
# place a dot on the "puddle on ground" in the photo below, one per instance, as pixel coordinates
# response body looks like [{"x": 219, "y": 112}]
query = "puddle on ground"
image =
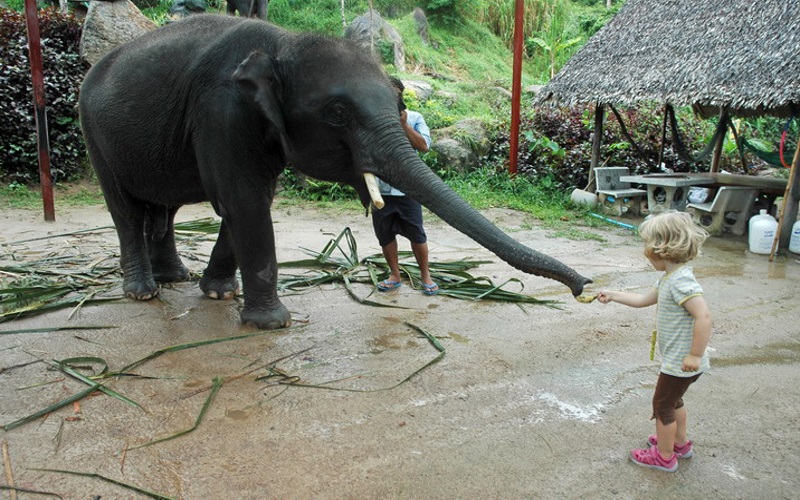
[
  {"x": 393, "y": 340},
  {"x": 458, "y": 338},
  {"x": 773, "y": 354},
  {"x": 715, "y": 271},
  {"x": 236, "y": 414},
  {"x": 737, "y": 263}
]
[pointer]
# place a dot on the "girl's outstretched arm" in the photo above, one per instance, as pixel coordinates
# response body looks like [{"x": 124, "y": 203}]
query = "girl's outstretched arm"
[{"x": 629, "y": 299}]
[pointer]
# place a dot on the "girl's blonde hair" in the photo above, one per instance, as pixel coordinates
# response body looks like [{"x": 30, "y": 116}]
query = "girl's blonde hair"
[{"x": 672, "y": 236}]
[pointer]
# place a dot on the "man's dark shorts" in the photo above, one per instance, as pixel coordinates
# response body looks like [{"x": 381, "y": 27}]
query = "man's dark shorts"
[
  {"x": 668, "y": 396},
  {"x": 400, "y": 215}
]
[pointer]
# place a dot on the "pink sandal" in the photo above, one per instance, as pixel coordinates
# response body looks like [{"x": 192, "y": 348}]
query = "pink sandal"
[{"x": 650, "y": 457}]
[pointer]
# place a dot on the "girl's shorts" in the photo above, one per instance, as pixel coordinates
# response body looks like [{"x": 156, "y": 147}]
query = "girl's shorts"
[{"x": 668, "y": 396}]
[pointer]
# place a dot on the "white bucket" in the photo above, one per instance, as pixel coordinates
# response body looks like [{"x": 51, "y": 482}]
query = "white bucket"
[
  {"x": 762, "y": 233},
  {"x": 581, "y": 197},
  {"x": 794, "y": 242}
]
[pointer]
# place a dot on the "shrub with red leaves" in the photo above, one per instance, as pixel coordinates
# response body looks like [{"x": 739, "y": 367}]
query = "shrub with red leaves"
[
  {"x": 63, "y": 73},
  {"x": 555, "y": 145}
]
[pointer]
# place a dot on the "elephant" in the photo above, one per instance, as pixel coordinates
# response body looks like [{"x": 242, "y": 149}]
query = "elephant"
[{"x": 213, "y": 108}]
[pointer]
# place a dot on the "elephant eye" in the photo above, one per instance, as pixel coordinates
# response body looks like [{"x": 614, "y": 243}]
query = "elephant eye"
[{"x": 337, "y": 114}]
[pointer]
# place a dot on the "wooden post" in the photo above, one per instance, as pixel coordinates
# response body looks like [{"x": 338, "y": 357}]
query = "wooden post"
[
  {"x": 516, "y": 87},
  {"x": 723, "y": 115},
  {"x": 43, "y": 142},
  {"x": 663, "y": 138},
  {"x": 597, "y": 141}
]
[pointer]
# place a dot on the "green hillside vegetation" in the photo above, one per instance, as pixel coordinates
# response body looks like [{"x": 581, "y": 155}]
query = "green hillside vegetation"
[
  {"x": 471, "y": 39},
  {"x": 469, "y": 57}
]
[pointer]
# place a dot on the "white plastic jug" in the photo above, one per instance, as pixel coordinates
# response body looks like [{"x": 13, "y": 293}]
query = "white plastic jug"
[
  {"x": 762, "y": 232},
  {"x": 794, "y": 242}
]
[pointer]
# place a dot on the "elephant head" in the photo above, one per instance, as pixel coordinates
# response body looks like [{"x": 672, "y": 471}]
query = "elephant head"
[{"x": 336, "y": 112}]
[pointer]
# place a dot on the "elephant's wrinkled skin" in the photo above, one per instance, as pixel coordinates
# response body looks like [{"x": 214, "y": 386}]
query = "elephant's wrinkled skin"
[{"x": 212, "y": 108}]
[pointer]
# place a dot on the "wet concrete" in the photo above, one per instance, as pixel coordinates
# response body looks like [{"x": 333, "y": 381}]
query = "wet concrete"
[{"x": 526, "y": 403}]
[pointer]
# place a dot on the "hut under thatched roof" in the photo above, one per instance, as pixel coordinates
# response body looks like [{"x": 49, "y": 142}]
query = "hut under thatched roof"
[
  {"x": 739, "y": 54},
  {"x": 722, "y": 57}
]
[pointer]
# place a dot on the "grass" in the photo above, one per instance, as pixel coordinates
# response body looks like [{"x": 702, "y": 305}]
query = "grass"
[
  {"x": 75, "y": 194},
  {"x": 483, "y": 189}
]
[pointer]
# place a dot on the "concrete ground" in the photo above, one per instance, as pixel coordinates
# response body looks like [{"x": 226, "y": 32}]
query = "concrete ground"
[{"x": 530, "y": 402}]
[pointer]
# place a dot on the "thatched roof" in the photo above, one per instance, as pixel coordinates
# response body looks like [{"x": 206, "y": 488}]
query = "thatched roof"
[{"x": 743, "y": 54}]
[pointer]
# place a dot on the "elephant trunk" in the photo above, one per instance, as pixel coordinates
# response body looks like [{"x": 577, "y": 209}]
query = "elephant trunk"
[{"x": 401, "y": 167}]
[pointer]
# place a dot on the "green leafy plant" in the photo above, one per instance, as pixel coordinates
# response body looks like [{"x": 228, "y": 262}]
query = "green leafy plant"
[
  {"x": 555, "y": 40},
  {"x": 555, "y": 48},
  {"x": 63, "y": 73}
]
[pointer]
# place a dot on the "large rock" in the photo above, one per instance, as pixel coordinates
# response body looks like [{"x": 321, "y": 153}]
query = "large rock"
[
  {"x": 422, "y": 90},
  {"x": 460, "y": 147},
  {"x": 421, "y": 22},
  {"x": 109, "y": 24},
  {"x": 452, "y": 155},
  {"x": 370, "y": 30}
]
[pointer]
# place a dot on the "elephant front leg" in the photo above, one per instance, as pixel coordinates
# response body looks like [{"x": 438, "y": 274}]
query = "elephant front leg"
[
  {"x": 219, "y": 278},
  {"x": 255, "y": 244}
]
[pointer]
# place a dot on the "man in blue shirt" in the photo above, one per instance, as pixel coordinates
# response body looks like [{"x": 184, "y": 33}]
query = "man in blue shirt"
[{"x": 402, "y": 215}]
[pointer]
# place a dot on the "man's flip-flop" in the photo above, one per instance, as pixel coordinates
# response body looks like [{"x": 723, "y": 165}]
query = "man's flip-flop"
[
  {"x": 386, "y": 285},
  {"x": 431, "y": 289}
]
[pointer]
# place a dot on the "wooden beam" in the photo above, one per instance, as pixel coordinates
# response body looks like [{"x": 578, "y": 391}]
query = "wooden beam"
[{"x": 791, "y": 199}]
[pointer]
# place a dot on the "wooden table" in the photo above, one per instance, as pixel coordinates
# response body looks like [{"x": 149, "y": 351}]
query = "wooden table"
[{"x": 671, "y": 191}]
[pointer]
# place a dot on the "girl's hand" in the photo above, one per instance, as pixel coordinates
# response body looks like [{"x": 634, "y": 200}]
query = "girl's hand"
[
  {"x": 605, "y": 297},
  {"x": 691, "y": 363}
]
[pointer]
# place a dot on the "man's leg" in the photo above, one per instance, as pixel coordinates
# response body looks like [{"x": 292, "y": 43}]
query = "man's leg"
[
  {"x": 390, "y": 254},
  {"x": 421, "y": 255}
]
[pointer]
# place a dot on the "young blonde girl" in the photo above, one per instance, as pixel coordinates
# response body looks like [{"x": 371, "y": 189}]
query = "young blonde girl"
[{"x": 683, "y": 323}]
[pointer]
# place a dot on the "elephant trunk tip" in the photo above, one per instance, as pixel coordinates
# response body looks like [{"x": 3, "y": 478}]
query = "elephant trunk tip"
[{"x": 577, "y": 285}]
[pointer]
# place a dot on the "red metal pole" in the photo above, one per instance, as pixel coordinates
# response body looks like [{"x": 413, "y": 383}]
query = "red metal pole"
[
  {"x": 43, "y": 143},
  {"x": 516, "y": 90}
]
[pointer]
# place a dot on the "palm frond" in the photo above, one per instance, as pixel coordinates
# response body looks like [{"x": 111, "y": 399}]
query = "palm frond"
[{"x": 338, "y": 264}]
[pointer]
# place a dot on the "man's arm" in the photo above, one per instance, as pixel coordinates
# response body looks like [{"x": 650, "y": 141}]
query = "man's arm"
[{"x": 416, "y": 139}]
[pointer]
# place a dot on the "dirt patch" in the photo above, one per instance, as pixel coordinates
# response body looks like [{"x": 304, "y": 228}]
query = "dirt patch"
[{"x": 531, "y": 402}]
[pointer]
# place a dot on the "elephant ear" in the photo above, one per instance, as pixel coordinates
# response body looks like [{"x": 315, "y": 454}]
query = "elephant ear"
[{"x": 258, "y": 77}]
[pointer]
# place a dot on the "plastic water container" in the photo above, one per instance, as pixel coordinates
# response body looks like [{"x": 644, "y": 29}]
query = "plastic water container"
[
  {"x": 762, "y": 232},
  {"x": 794, "y": 242},
  {"x": 581, "y": 197}
]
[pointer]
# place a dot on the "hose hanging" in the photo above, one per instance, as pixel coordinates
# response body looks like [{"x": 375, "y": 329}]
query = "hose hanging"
[
  {"x": 680, "y": 146},
  {"x": 629, "y": 138}
]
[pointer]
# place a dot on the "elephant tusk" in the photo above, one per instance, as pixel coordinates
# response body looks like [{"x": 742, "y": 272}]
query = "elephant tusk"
[{"x": 374, "y": 192}]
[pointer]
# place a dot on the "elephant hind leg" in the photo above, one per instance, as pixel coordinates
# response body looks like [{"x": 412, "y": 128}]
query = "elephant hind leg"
[
  {"x": 128, "y": 214},
  {"x": 160, "y": 235},
  {"x": 219, "y": 278},
  {"x": 138, "y": 282}
]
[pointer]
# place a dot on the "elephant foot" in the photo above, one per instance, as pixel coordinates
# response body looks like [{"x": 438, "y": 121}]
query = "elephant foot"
[
  {"x": 270, "y": 319},
  {"x": 219, "y": 288},
  {"x": 139, "y": 290},
  {"x": 172, "y": 274}
]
